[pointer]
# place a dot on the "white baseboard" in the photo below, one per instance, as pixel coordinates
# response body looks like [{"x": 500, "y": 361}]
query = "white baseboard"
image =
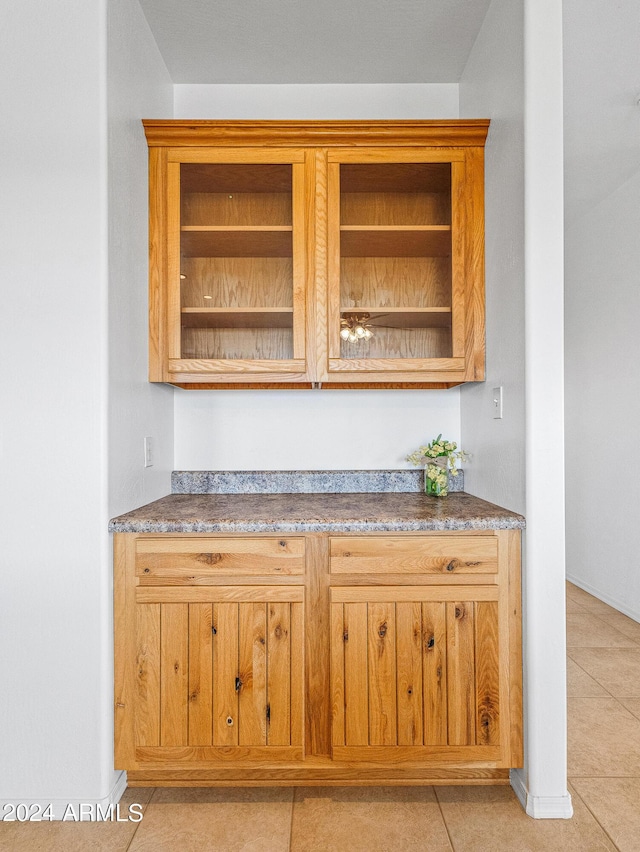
[
  {"x": 621, "y": 606},
  {"x": 70, "y": 810},
  {"x": 540, "y": 807}
]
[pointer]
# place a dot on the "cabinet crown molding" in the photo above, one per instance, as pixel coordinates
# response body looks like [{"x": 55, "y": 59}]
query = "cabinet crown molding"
[{"x": 443, "y": 133}]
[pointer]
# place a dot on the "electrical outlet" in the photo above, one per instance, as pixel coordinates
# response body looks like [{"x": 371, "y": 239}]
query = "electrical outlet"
[
  {"x": 148, "y": 452},
  {"x": 496, "y": 396}
]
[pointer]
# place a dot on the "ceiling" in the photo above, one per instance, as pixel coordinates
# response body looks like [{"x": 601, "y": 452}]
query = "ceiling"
[
  {"x": 601, "y": 88},
  {"x": 418, "y": 41},
  {"x": 315, "y": 41}
]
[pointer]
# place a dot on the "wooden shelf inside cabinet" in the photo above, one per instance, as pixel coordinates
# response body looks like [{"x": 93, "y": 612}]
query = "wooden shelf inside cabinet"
[
  {"x": 237, "y": 317},
  {"x": 395, "y": 241},
  {"x": 404, "y": 317},
  {"x": 238, "y": 241}
]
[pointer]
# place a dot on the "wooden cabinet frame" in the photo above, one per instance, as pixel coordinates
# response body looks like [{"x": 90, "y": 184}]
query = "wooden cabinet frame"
[
  {"x": 316, "y": 150},
  {"x": 171, "y": 689}
]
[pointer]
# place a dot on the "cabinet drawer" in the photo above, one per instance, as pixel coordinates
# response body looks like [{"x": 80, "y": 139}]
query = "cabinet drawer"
[
  {"x": 446, "y": 555},
  {"x": 166, "y": 557}
]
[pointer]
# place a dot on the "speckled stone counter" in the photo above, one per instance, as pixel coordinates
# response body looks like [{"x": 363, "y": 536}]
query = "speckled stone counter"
[
  {"x": 302, "y": 481},
  {"x": 334, "y": 513}
]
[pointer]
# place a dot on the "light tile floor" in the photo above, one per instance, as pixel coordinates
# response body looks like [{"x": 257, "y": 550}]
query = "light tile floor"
[{"x": 604, "y": 773}]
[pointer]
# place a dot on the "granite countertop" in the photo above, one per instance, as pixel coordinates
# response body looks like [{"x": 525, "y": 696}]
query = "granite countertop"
[{"x": 315, "y": 512}]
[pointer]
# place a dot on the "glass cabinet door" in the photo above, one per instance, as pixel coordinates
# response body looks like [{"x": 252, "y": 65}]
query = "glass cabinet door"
[
  {"x": 396, "y": 263},
  {"x": 236, "y": 263}
]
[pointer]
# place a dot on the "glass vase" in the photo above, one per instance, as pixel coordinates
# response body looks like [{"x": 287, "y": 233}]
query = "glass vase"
[{"x": 436, "y": 480}]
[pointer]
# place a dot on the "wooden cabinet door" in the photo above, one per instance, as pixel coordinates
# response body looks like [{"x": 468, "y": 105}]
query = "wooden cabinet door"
[
  {"x": 229, "y": 259},
  {"x": 405, "y": 265},
  {"x": 416, "y": 675},
  {"x": 216, "y": 675}
]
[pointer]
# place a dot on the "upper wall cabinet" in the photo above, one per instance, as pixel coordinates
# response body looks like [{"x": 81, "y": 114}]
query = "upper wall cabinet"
[{"x": 284, "y": 254}]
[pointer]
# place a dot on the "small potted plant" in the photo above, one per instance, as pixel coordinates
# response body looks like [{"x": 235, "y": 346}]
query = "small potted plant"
[{"x": 440, "y": 458}]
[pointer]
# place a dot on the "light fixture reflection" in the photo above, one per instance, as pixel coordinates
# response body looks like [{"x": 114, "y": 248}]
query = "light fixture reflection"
[{"x": 354, "y": 327}]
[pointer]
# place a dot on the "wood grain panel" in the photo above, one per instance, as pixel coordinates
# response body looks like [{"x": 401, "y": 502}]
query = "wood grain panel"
[
  {"x": 398, "y": 344},
  {"x": 238, "y": 318},
  {"x": 258, "y": 242},
  {"x": 214, "y": 758},
  {"x": 317, "y": 646},
  {"x": 461, "y": 673},
  {"x": 398, "y": 179},
  {"x": 235, "y": 207},
  {"x": 279, "y": 674},
  {"x": 297, "y": 680},
  {"x": 378, "y": 241},
  {"x": 158, "y": 294},
  {"x": 403, "y": 369},
  {"x": 356, "y": 674},
  {"x": 487, "y": 669},
  {"x": 409, "y": 673},
  {"x": 248, "y": 350},
  {"x": 486, "y": 755},
  {"x": 394, "y": 207},
  {"x": 281, "y": 546},
  {"x": 458, "y": 260},
  {"x": 234, "y": 177},
  {"x": 383, "y": 718},
  {"x": 237, "y": 282},
  {"x": 401, "y": 318},
  {"x": 321, "y": 772},
  {"x": 227, "y": 135},
  {"x": 510, "y": 631},
  {"x": 185, "y": 557},
  {"x": 125, "y": 650},
  {"x": 174, "y": 684},
  {"x": 147, "y": 700},
  {"x": 434, "y": 663},
  {"x": 346, "y": 594},
  {"x": 173, "y": 262},
  {"x": 225, "y": 672},
  {"x": 333, "y": 258},
  {"x": 200, "y": 674},
  {"x": 203, "y": 594},
  {"x": 475, "y": 298},
  {"x": 317, "y": 273},
  {"x": 252, "y": 672},
  {"x": 337, "y": 674},
  {"x": 301, "y": 258},
  {"x": 384, "y": 282},
  {"x": 420, "y": 554}
]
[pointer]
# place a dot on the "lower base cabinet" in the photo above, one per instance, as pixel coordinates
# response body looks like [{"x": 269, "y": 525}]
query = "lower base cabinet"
[{"x": 317, "y": 658}]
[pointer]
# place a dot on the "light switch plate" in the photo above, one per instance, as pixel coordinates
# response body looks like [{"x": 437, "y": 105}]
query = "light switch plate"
[
  {"x": 148, "y": 452},
  {"x": 496, "y": 396}
]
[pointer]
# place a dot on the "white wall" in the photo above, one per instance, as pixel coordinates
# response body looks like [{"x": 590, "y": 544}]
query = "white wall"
[
  {"x": 138, "y": 86},
  {"x": 492, "y": 86},
  {"x": 346, "y": 100},
  {"x": 603, "y": 398},
  {"x": 514, "y": 77},
  {"x": 271, "y": 430},
  {"x": 602, "y": 215},
  {"x": 53, "y": 340},
  {"x": 61, "y": 414},
  {"x": 544, "y": 576},
  {"x": 308, "y": 430}
]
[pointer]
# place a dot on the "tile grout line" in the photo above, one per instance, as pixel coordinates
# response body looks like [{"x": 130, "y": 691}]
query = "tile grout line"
[
  {"x": 592, "y": 678},
  {"x": 293, "y": 804},
  {"x": 444, "y": 822},
  {"x": 128, "y": 846},
  {"x": 597, "y": 821},
  {"x": 603, "y": 619}
]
